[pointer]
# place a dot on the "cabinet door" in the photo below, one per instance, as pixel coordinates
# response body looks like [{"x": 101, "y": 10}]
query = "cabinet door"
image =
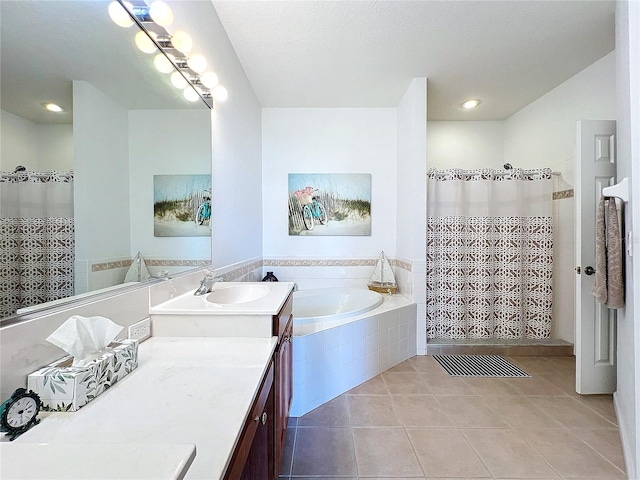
[{"x": 284, "y": 390}]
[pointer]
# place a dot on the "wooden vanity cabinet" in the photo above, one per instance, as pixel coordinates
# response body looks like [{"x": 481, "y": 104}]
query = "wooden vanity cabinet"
[
  {"x": 259, "y": 451},
  {"x": 283, "y": 385},
  {"x": 253, "y": 458}
]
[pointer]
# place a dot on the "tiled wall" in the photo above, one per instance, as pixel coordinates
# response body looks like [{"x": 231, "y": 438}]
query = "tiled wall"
[{"x": 330, "y": 362}]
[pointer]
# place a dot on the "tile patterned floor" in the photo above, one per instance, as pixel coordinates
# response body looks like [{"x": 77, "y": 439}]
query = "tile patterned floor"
[{"x": 414, "y": 421}]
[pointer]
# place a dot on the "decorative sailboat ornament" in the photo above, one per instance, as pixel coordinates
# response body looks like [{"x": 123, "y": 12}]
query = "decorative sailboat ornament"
[
  {"x": 383, "y": 280},
  {"x": 138, "y": 270}
]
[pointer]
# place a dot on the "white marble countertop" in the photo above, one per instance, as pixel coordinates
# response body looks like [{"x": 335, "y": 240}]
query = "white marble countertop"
[
  {"x": 185, "y": 391},
  {"x": 82, "y": 461}
]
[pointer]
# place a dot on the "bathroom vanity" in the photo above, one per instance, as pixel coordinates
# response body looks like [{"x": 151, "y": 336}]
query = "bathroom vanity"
[{"x": 197, "y": 387}]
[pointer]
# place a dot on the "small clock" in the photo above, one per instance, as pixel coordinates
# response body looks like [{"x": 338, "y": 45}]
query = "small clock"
[{"x": 18, "y": 414}]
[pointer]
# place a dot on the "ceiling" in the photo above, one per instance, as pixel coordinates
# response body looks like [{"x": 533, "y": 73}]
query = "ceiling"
[{"x": 365, "y": 53}]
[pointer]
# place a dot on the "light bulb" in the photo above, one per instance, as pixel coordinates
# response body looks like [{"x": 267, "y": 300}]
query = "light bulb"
[
  {"x": 161, "y": 13},
  {"x": 197, "y": 63},
  {"x": 209, "y": 79},
  {"x": 178, "y": 81},
  {"x": 219, "y": 93},
  {"x": 162, "y": 63},
  {"x": 144, "y": 43},
  {"x": 182, "y": 42},
  {"x": 119, "y": 15},
  {"x": 52, "y": 107},
  {"x": 190, "y": 94},
  {"x": 469, "y": 104}
]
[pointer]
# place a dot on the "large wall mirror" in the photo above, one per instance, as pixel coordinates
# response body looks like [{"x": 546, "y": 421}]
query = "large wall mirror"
[{"x": 123, "y": 129}]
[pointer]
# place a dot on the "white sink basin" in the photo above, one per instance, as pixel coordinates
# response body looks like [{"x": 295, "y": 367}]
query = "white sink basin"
[{"x": 238, "y": 294}]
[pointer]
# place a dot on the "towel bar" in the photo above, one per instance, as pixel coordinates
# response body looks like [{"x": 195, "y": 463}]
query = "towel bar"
[{"x": 619, "y": 190}]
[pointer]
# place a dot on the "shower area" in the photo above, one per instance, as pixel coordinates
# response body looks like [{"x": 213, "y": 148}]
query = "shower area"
[
  {"x": 490, "y": 262},
  {"x": 37, "y": 238}
]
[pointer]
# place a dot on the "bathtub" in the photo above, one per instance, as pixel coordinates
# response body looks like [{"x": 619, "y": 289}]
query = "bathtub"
[
  {"x": 343, "y": 337},
  {"x": 321, "y": 304}
]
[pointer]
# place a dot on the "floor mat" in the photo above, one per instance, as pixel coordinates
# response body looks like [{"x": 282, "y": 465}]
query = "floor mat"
[{"x": 479, "y": 366}]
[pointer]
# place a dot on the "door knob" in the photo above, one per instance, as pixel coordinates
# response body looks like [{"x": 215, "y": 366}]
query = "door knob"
[{"x": 589, "y": 270}]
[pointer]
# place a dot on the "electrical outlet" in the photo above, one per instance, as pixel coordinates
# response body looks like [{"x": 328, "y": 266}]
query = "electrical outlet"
[{"x": 140, "y": 330}]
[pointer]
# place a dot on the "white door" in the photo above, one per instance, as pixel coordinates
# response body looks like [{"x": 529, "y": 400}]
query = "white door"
[{"x": 595, "y": 324}]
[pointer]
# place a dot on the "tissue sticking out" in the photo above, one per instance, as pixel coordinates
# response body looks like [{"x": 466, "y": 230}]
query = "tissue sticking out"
[{"x": 84, "y": 338}]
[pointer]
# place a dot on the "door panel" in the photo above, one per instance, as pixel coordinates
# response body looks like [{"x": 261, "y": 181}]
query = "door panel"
[{"x": 595, "y": 323}]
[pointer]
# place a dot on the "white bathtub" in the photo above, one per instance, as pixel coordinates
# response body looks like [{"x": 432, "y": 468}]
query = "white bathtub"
[
  {"x": 343, "y": 337},
  {"x": 325, "y": 304}
]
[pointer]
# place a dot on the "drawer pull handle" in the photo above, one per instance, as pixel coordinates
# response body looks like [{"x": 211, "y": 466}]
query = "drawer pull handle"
[{"x": 261, "y": 418}]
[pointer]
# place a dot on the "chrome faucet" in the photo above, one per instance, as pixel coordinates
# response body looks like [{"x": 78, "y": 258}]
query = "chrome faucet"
[{"x": 206, "y": 284}]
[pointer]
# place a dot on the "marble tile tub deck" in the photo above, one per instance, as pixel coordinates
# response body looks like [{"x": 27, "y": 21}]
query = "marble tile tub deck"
[{"x": 414, "y": 421}]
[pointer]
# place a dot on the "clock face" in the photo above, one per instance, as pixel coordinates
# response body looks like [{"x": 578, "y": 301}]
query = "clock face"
[{"x": 21, "y": 412}]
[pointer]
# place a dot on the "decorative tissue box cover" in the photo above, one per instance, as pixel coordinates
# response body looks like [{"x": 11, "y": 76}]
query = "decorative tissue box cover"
[{"x": 64, "y": 388}]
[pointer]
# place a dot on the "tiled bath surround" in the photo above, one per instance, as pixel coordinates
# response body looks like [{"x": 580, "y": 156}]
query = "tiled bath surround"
[{"x": 329, "y": 362}]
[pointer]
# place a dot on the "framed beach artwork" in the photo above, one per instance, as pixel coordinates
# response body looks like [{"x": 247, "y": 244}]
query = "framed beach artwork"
[
  {"x": 182, "y": 205},
  {"x": 329, "y": 204}
]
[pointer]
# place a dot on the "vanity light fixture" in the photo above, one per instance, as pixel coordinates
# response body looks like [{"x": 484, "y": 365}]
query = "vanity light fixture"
[
  {"x": 191, "y": 94},
  {"x": 119, "y": 14},
  {"x": 197, "y": 63},
  {"x": 144, "y": 43},
  {"x": 191, "y": 76},
  {"x": 209, "y": 79},
  {"x": 162, "y": 63},
  {"x": 52, "y": 107},
  {"x": 182, "y": 42},
  {"x": 161, "y": 13},
  {"x": 470, "y": 104}
]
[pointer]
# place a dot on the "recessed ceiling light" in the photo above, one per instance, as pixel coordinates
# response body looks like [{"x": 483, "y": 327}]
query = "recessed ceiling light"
[
  {"x": 469, "y": 104},
  {"x": 52, "y": 107}
]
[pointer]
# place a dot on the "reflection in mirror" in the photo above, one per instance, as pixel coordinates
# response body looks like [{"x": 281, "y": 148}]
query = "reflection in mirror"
[{"x": 83, "y": 207}]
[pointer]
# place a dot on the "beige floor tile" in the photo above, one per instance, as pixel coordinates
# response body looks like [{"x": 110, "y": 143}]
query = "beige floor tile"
[
  {"x": 426, "y": 364},
  {"x": 601, "y": 404},
  {"x": 421, "y": 411},
  {"x": 287, "y": 455},
  {"x": 471, "y": 412},
  {"x": 491, "y": 386},
  {"x": 324, "y": 451},
  {"x": 407, "y": 383},
  {"x": 505, "y": 454},
  {"x": 571, "y": 413},
  {"x": 519, "y": 412},
  {"x": 564, "y": 381},
  {"x": 447, "y": 385},
  {"x": 605, "y": 442},
  {"x": 385, "y": 452},
  {"x": 533, "y": 364},
  {"x": 405, "y": 366},
  {"x": 445, "y": 452},
  {"x": 372, "y": 411},
  {"x": 334, "y": 413},
  {"x": 569, "y": 455},
  {"x": 375, "y": 386},
  {"x": 535, "y": 385}
]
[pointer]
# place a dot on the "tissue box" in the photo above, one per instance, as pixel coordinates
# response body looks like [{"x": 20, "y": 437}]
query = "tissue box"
[{"x": 64, "y": 388}]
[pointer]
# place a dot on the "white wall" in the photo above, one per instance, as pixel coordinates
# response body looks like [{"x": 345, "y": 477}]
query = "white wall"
[
  {"x": 166, "y": 142},
  {"x": 628, "y": 147},
  {"x": 543, "y": 134},
  {"x": 465, "y": 144},
  {"x": 329, "y": 140},
  {"x": 236, "y": 140},
  {"x": 101, "y": 165},
  {"x": 411, "y": 231},
  {"x": 35, "y": 146}
]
